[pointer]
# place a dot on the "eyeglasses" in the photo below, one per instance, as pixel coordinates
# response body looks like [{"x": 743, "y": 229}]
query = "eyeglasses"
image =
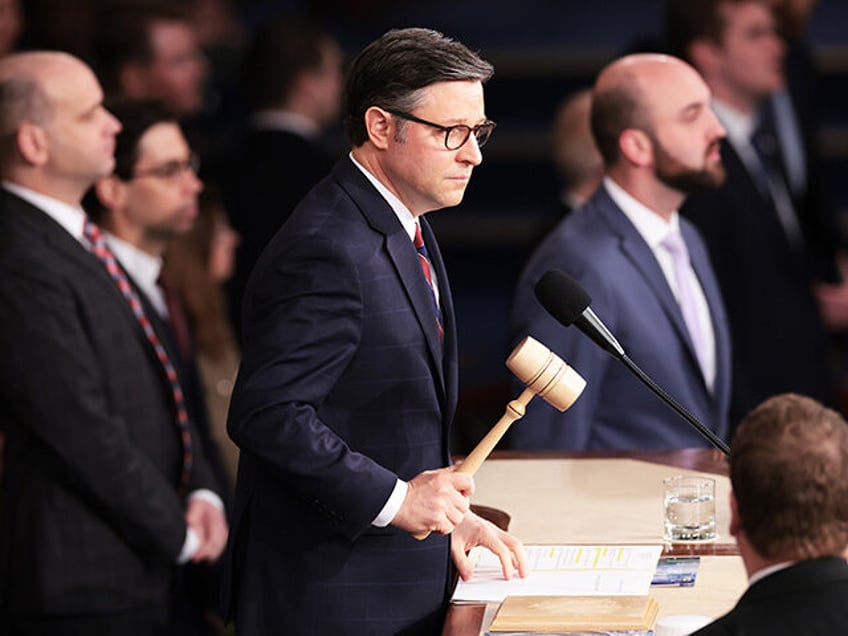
[
  {"x": 456, "y": 135},
  {"x": 171, "y": 169}
]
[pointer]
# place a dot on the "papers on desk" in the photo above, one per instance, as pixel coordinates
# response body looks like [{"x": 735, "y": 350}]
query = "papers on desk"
[{"x": 563, "y": 570}]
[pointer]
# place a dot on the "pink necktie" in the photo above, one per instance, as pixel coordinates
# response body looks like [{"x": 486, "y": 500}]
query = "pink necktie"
[
  {"x": 102, "y": 251},
  {"x": 675, "y": 245},
  {"x": 424, "y": 259}
]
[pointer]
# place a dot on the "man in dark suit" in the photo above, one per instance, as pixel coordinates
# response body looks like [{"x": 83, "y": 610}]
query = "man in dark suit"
[
  {"x": 789, "y": 514},
  {"x": 344, "y": 400},
  {"x": 93, "y": 507},
  {"x": 292, "y": 81},
  {"x": 653, "y": 125},
  {"x": 149, "y": 200},
  {"x": 769, "y": 241}
]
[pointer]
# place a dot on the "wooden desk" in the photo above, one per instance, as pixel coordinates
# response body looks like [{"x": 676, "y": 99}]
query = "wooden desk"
[{"x": 602, "y": 497}]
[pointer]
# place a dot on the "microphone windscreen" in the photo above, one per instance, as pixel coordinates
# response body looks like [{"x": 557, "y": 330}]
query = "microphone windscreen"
[{"x": 562, "y": 296}]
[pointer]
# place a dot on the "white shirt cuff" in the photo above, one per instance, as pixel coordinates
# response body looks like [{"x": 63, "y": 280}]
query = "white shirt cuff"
[
  {"x": 190, "y": 546},
  {"x": 207, "y": 495},
  {"x": 392, "y": 506},
  {"x": 192, "y": 541}
]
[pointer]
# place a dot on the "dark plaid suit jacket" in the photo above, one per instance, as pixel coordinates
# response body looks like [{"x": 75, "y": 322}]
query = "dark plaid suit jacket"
[
  {"x": 90, "y": 521},
  {"x": 344, "y": 387}
]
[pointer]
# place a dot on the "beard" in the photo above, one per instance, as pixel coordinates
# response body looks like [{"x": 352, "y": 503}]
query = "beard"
[{"x": 674, "y": 174}]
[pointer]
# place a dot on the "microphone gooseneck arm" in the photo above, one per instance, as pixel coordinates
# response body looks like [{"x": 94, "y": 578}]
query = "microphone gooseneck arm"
[{"x": 711, "y": 437}]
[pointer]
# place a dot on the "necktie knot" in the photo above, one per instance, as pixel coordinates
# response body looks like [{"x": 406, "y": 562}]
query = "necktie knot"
[
  {"x": 424, "y": 261},
  {"x": 676, "y": 246}
]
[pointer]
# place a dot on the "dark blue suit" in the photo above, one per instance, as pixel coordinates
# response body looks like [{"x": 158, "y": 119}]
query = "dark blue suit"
[
  {"x": 344, "y": 387},
  {"x": 600, "y": 248}
]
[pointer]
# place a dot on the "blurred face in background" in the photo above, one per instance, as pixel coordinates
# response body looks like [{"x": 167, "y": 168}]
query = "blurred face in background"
[
  {"x": 177, "y": 72},
  {"x": 751, "y": 52},
  {"x": 10, "y": 25}
]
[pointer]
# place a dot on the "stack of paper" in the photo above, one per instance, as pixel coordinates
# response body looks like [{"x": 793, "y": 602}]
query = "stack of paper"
[{"x": 575, "y": 570}]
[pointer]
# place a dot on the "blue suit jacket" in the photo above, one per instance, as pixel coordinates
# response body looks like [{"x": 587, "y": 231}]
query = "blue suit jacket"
[
  {"x": 599, "y": 247},
  {"x": 344, "y": 387}
]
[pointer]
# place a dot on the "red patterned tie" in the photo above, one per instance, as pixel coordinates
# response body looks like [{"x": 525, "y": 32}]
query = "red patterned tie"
[
  {"x": 424, "y": 259},
  {"x": 102, "y": 251}
]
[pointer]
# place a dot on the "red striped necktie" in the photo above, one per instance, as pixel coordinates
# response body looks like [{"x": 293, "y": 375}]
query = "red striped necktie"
[
  {"x": 102, "y": 252},
  {"x": 424, "y": 259}
]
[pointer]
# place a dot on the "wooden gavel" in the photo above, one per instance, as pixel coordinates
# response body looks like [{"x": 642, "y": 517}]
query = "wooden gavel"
[{"x": 545, "y": 374}]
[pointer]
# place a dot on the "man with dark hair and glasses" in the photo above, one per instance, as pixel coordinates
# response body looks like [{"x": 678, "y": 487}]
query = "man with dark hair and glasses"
[
  {"x": 348, "y": 386},
  {"x": 149, "y": 200}
]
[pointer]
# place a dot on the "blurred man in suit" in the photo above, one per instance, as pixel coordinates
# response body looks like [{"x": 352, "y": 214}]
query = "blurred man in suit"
[
  {"x": 345, "y": 396},
  {"x": 293, "y": 80},
  {"x": 646, "y": 269},
  {"x": 768, "y": 240},
  {"x": 789, "y": 514},
  {"x": 103, "y": 491},
  {"x": 149, "y": 200}
]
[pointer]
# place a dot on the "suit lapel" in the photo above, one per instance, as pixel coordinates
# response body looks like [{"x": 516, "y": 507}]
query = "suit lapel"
[
  {"x": 637, "y": 251},
  {"x": 403, "y": 256},
  {"x": 68, "y": 248}
]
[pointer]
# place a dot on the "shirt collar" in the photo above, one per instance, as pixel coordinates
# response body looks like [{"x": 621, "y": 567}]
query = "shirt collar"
[
  {"x": 761, "y": 574},
  {"x": 406, "y": 218},
  {"x": 650, "y": 225},
  {"x": 739, "y": 126},
  {"x": 142, "y": 267},
  {"x": 69, "y": 217},
  {"x": 286, "y": 120}
]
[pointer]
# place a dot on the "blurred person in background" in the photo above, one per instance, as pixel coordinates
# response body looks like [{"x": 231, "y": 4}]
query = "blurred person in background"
[
  {"x": 10, "y": 25},
  {"x": 149, "y": 201},
  {"x": 770, "y": 241},
  {"x": 575, "y": 154},
  {"x": 149, "y": 49},
  {"x": 292, "y": 78},
  {"x": 197, "y": 266}
]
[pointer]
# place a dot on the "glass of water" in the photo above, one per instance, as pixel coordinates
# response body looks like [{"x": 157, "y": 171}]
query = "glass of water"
[{"x": 689, "y": 508}]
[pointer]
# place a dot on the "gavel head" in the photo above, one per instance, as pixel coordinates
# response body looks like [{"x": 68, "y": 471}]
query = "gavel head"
[{"x": 545, "y": 373}]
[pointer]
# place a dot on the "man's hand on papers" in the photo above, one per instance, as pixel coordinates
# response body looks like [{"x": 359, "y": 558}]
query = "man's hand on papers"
[
  {"x": 436, "y": 501},
  {"x": 474, "y": 531}
]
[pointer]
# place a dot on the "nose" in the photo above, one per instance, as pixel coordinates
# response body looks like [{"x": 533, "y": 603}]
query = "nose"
[
  {"x": 112, "y": 124},
  {"x": 470, "y": 152},
  {"x": 717, "y": 128},
  {"x": 191, "y": 181}
]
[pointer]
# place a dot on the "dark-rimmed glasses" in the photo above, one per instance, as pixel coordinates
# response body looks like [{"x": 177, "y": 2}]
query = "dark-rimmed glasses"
[
  {"x": 171, "y": 169},
  {"x": 456, "y": 135}
]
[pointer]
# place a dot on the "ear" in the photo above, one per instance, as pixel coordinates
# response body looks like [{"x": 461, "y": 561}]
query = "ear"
[
  {"x": 111, "y": 191},
  {"x": 32, "y": 144},
  {"x": 380, "y": 127},
  {"x": 636, "y": 147},
  {"x": 735, "y": 522}
]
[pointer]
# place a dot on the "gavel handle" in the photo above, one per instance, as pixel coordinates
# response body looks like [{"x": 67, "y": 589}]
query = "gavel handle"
[{"x": 514, "y": 410}]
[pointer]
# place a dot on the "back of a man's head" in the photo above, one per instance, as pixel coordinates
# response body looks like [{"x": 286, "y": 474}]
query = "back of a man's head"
[{"x": 789, "y": 473}]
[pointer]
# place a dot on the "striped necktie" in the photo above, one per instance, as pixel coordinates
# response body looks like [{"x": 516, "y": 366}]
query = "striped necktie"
[
  {"x": 424, "y": 259},
  {"x": 102, "y": 252}
]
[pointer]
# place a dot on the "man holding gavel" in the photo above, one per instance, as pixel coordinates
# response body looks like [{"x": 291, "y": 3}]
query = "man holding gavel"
[{"x": 349, "y": 381}]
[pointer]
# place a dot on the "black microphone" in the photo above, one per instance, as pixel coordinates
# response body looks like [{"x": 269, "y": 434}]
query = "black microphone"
[{"x": 565, "y": 299}]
